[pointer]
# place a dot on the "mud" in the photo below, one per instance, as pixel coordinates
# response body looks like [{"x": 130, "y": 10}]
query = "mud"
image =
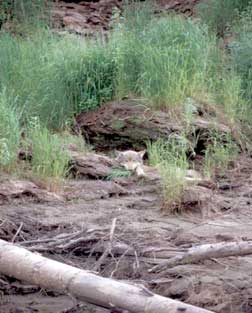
[{"x": 144, "y": 236}]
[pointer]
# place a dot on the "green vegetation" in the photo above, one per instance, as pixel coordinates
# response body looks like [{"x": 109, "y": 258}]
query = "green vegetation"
[
  {"x": 240, "y": 49},
  {"x": 118, "y": 172},
  {"x": 25, "y": 15},
  {"x": 54, "y": 78},
  {"x": 9, "y": 132},
  {"x": 220, "y": 15},
  {"x": 170, "y": 158},
  {"x": 167, "y": 61},
  {"x": 219, "y": 154},
  {"x": 49, "y": 159}
]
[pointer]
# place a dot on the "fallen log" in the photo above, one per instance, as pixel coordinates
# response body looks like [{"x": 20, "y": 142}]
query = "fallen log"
[
  {"x": 24, "y": 265},
  {"x": 206, "y": 252}
]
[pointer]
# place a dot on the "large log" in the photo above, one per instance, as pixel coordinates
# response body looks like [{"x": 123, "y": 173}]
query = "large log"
[
  {"x": 131, "y": 123},
  {"x": 206, "y": 252},
  {"x": 24, "y": 265}
]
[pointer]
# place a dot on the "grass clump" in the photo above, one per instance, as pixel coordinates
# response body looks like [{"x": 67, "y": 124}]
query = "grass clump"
[
  {"x": 166, "y": 60},
  {"x": 220, "y": 15},
  {"x": 9, "y": 132},
  {"x": 49, "y": 160},
  {"x": 75, "y": 142},
  {"x": 219, "y": 154},
  {"x": 55, "y": 78},
  {"x": 172, "y": 163},
  {"x": 118, "y": 172},
  {"x": 240, "y": 50},
  {"x": 25, "y": 16}
]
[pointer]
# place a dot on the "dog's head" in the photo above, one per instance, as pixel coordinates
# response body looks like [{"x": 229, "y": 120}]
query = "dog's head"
[{"x": 130, "y": 159}]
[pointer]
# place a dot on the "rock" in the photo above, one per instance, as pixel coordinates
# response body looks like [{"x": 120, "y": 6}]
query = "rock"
[{"x": 129, "y": 123}]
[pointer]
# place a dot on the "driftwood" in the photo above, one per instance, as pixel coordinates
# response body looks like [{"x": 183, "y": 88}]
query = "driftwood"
[
  {"x": 24, "y": 265},
  {"x": 131, "y": 123},
  {"x": 206, "y": 252}
]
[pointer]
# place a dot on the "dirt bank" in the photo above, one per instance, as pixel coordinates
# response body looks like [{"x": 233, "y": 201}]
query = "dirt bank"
[{"x": 144, "y": 236}]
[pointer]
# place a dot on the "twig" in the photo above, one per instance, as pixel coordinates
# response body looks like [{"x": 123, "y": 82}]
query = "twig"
[
  {"x": 17, "y": 232},
  {"x": 108, "y": 249}
]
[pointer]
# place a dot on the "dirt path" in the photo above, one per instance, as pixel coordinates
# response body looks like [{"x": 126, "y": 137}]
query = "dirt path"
[{"x": 221, "y": 285}]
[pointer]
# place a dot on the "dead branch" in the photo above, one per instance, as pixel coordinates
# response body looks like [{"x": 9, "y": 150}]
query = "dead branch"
[
  {"x": 49, "y": 274},
  {"x": 108, "y": 250},
  {"x": 206, "y": 252}
]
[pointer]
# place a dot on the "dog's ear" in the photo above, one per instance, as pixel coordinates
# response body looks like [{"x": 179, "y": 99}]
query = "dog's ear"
[
  {"x": 142, "y": 153},
  {"x": 117, "y": 153}
]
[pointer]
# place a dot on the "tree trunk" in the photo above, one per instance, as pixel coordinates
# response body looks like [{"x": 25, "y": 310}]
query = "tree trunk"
[
  {"x": 85, "y": 286},
  {"x": 206, "y": 252}
]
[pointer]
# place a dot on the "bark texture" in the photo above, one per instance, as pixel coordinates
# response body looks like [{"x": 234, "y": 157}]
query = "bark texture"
[
  {"x": 86, "y": 286},
  {"x": 206, "y": 252}
]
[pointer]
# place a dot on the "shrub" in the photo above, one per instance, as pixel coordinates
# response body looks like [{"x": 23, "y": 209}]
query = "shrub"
[
  {"x": 9, "y": 132},
  {"x": 54, "y": 78},
  {"x": 170, "y": 158},
  {"x": 165, "y": 60},
  {"x": 219, "y": 15},
  {"x": 49, "y": 159},
  {"x": 219, "y": 154},
  {"x": 24, "y": 17}
]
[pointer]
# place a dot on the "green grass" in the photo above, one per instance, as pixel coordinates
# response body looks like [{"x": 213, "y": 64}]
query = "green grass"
[
  {"x": 167, "y": 60},
  {"x": 54, "y": 78},
  {"x": 9, "y": 132},
  {"x": 74, "y": 141},
  {"x": 219, "y": 15},
  {"x": 170, "y": 159},
  {"x": 25, "y": 16},
  {"x": 163, "y": 60},
  {"x": 219, "y": 154},
  {"x": 118, "y": 172},
  {"x": 49, "y": 159}
]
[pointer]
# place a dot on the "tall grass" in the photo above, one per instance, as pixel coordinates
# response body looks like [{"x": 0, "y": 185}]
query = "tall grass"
[
  {"x": 170, "y": 158},
  {"x": 9, "y": 132},
  {"x": 25, "y": 15},
  {"x": 219, "y": 154},
  {"x": 163, "y": 60},
  {"x": 219, "y": 15},
  {"x": 166, "y": 60},
  {"x": 54, "y": 78},
  {"x": 49, "y": 160}
]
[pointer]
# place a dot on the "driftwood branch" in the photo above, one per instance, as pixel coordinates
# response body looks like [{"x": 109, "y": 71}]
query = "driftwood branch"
[
  {"x": 206, "y": 252},
  {"x": 85, "y": 286},
  {"x": 108, "y": 249}
]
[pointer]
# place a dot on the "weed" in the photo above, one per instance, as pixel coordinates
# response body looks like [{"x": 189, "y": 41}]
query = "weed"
[
  {"x": 219, "y": 154},
  {"x": 166, "y": 60},
  {"x": 49, "y": 159},
  {"x": 9, "y": 132},
  {"x": 170, "y": 159},
  {"x": 54, "y": 78},
  {"x": 219, "y": 15},
  {"x": 74, "y": 142},
  {"x": 118, "y": 172}
]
